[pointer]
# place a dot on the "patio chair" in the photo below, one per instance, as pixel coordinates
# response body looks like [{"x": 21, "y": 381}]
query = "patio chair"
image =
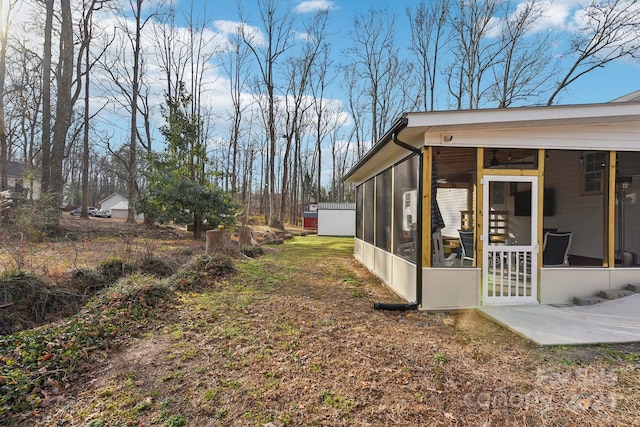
[
  {"x": 466, "y": 243},
  {"x": 438, "y": 252},
  {"x": 408, "y": 250},
  {"x": 556, "y": 248}
]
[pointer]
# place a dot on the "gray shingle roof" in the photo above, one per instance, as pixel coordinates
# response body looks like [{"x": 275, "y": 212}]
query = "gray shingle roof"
[{"x": 630, "y": 97}]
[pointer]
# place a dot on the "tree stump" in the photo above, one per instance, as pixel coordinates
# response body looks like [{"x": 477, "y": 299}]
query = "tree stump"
[
  {"x": 217, "y": 241},
  {"x": 245, "y": 238}
]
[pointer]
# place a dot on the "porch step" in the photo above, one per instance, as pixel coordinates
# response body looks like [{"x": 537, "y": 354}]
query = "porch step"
[
  {"x": 588, "y": 300},
  {"x": 635, "y": 287},
  {"x": 608, "y": 295},
  {"x": 615, "y": 294}
]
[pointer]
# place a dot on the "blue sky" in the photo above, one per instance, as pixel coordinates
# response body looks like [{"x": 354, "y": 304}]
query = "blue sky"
[
  {"x": 615, "y": 80},
  {"x": 601, "y": 85}
]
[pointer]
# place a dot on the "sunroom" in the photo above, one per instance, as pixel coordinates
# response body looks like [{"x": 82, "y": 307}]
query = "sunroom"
[{"x": 459, "y": 209}]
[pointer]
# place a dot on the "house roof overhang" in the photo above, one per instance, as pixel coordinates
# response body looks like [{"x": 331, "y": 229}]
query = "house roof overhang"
[
  {"x": 414, "y": 127},
  {"x": 15, "y": 169}
]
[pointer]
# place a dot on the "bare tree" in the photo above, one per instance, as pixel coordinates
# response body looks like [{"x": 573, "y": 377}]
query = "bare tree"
[
  {"x": 357, "y": 107},
  {"x": 474, "y": 51},
  {"x": 202, "y": 51},
  {"x": 172, "y": 56},
  {"x": 184, "y": 59},
  {"x": 428, "y": 39},
  {"x": 523, "y": 66},
  {"x": 322, "y": 115},
  {"x": 5, "y": 23},
  {"x": 87, "y": 28},
  {"x": 68, "y": 78},
  {"x": 135, "y": 40},
  {"x": 300, "y": 75},
  {"x": 338, "y": 155},
  {"x": 24, "y": 104},
  {"x": 374, "y": 58},
  {"x": 278, "y": 32},
  {"x": 127, "y": 83},
  {"x": 396, "y": 93},
  {"x": 236, "y": 69},
  {"x": 65, "y": 97},
  {"x": 46, "y": 96},
  {"x": 610, "y": 31}
]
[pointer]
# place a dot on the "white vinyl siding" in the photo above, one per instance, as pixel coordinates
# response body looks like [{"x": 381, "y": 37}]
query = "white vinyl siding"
[
  {"x": 575, "y": 211},
  {"x": 451, "y": 201}
]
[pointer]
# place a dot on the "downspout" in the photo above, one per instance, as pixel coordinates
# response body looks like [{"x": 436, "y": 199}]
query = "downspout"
[{"x": 418, "y": 243}]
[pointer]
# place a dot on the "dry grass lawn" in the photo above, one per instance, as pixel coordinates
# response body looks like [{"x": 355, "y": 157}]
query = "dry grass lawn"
[{"x": 292, "y": 339}]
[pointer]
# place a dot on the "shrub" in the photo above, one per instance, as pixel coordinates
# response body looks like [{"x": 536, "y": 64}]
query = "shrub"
[
  {"x": 34, "y": 363},
  {"x": 155, "y": 267},
  {"x": 201, "y": 271},
  {"x": 29, "y": 300},
  {"x": 136, "y": 293},
  {"x": 252, "y": 251},
  {"x": 113, "y": 268},
  {"x": 86, "y": 282},
  {"x": 38, "y": 219}
]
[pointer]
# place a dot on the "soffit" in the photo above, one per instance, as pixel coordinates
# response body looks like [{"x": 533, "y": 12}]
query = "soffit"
[{"x": 420, "y": 125}]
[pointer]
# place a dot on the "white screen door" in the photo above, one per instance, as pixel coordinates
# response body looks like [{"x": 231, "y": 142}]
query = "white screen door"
[{"x": 510, "y": 247}]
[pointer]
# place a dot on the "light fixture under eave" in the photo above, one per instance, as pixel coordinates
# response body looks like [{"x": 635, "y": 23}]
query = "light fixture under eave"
[
  {"x": 447, "y": 138},
  {"x": 494, "y": 160}
]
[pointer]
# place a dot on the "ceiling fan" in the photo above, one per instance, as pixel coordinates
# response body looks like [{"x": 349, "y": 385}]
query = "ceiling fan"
[{"x": 495, "y": 162}]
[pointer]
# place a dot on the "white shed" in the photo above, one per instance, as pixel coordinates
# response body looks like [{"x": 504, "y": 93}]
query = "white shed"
[
  {"x": 108, "y": 203},
  {"x": 119, "y": 210},
  {"x": 336, "y": 219}
]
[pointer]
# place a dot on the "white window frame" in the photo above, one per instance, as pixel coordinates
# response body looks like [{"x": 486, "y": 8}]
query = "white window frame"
[{"x": 594, "y": 165}]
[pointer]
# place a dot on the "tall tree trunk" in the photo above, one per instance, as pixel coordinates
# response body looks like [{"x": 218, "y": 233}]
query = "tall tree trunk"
[
  {"x": 295, "y": 185},
  {"x": 5, "y": 15},
  {"x": 197, "y": 225},
  {"x": 85, "y": 139},
  {"x": 285, "y": 178},
  {"x": 234, "y": 152},
  {"x": 133, "y": 140},
  {"x": 267, "y": 192},
  {"x": 274, "y": 221},
  {"x": 64, "y": 106},
  {"x": 319, "y": 172},
  {"x": 46, "y": 97}
]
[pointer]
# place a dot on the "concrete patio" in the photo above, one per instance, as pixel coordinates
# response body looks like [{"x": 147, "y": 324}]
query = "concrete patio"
[{"x": 616, "y": 321}]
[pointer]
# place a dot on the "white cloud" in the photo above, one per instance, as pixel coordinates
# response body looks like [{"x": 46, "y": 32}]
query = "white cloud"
[
  {"x": 308, "y": 6},
  {"x": 228, "y": 29},
  {"x": 555, "y": 15},
  {"x": 559, "y": 15}
]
